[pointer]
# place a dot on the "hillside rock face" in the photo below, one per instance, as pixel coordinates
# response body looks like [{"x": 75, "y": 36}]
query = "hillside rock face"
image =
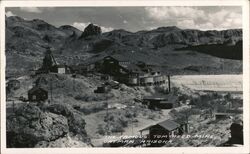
[
  {"x": 32, "y": 37},
  {"x": 92, "y": 29},
  {"x": 75, "y": 121},
  {"x": 32, "y": 124}
]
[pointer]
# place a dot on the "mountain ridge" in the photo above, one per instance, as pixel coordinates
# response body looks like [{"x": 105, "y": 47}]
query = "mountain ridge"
[{"x": 30, "y": 38}]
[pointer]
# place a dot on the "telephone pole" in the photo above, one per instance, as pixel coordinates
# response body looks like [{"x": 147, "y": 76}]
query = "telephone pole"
[
  {"x": 107, "y": 115},
  {"x": 74, "y": 76},
  {"x": 13, "y": 106},
  {"x": 51, "y": 88}
]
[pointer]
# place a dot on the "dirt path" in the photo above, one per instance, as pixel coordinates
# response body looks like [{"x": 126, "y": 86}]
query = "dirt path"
[{"x": 94, "y": 119}]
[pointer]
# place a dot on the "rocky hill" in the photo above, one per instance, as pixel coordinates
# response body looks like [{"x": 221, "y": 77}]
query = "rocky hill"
[
  {"x": 172, "y": 48},
  {"x": 41, "y": 125}
]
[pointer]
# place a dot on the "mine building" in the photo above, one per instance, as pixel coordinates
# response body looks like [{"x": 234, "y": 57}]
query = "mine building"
[
  {"x": 60, "y": 69},
  {"x": 123, "y": 70},
  {"x": 129, "y": 73},
  {"x": 160, "y": 102},
  {"x": 115, "y": 65},
  {"x": 165, "y": 129},
  {"x": 93, "y": 64},
  {"x": 50, "y": 65},
  {"x": 83, "y": 68},
  {"x": 37, "y": 94}
]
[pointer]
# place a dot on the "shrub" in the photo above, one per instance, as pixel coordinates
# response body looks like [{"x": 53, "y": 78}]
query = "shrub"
[
  {"x": 93, "y": 108},
  {"x": 149, "y": 89},
  {"x": 123, "y": 122},
  {"x": 117, "y": 128},
  {"x": 151, "y": 116},
  {"x": 94, "y": 97},
  {"x": 100, "y": 129}
]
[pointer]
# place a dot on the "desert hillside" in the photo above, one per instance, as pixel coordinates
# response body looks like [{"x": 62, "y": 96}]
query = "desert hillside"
[{"x": 175, "y": 50}]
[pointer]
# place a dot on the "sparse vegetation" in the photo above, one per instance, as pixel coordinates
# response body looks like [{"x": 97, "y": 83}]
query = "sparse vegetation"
[{"x": 94, "y": 97}]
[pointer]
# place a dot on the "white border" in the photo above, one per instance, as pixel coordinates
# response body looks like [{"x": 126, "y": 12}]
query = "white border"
[{"x": 228, "y": 150}]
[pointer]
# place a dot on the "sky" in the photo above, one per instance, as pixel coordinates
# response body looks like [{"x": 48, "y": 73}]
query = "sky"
[{"x": 136, "y": 18}]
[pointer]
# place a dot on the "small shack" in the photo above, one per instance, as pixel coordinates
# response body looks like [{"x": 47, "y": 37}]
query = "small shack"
[
  {"x": 160, "y": 102},
  {"x": 102, "y": 89},
  {"x": 60, "y": 69},
  {"x": 165, "y": 129},
  {"x": 37, "y": 94}
]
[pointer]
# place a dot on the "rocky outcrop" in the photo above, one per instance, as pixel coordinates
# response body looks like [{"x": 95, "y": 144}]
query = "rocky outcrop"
[
  {"x": 91, "y": 29},
  {"x": 34, "y": 124},
  {"x": 196, "y": 37},
  {"x": 30, "y": 125},
  {"x": 75, "y": 121}
]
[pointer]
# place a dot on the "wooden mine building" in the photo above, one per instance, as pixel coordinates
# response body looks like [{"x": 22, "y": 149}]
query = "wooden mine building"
[
  {"x": 37, "y": 94},
  {"x": 166, "y": 129}
]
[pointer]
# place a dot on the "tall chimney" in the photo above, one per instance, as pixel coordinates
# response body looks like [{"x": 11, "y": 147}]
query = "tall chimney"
[{"x": 169, "y": 87}]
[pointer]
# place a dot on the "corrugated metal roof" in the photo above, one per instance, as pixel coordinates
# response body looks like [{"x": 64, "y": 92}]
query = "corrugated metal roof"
[
  {"x": 34, "y": 89},
  {"x": 120, "y": 57},
  {"x": 132, "y": 68},
  {"x": 169, "y": 125}
]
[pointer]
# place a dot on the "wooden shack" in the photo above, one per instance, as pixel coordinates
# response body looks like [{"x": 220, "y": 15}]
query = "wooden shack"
[
  {"x": 165, "y": 129},
  {"x": 37, "y": 94},
  {"x": 60, "y": 69},
  {"x": 160, "y": 102}
]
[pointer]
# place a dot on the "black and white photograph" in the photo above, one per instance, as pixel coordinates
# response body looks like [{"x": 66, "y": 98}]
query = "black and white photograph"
[{"x": 124, "y": 76}]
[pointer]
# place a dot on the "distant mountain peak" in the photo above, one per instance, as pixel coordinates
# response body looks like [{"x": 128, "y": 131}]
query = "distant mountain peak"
[
  {"x": 169, "y": 28},
  {"x": 15, "y": 18},
  {"x": 92, "y": 29}
]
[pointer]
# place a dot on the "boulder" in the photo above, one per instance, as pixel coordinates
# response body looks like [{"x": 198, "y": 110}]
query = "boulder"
[{"x": 76, "y": 122}]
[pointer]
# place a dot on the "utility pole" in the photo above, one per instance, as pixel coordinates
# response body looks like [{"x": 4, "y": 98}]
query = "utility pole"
[
  {"x": 13, "y": 106},
  {"x": 107, "y": 115},
  {"x": 74, "y": 76},
  {"x": 132, "y": 122},
  {"x": 51, "y": 87},
  {"x": 169, "y": 86}
]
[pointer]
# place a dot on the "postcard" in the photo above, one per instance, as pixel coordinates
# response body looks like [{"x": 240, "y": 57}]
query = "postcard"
[{"x": 125, "y": 76}]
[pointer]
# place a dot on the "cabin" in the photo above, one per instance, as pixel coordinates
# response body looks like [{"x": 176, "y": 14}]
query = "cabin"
[
  {"x": 37, "y": 94},
  {"x": 102, "y": 89},
  {"x": 161, "y": 103},
  {"x": 60, "y": 69},
  {"x": 153, "y": 102},
  {"x": 165, "y": 129}
]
